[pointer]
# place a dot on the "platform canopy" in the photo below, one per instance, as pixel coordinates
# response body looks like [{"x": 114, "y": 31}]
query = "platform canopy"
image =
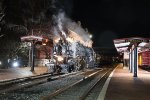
[
  {"x": 31, "y": 38},
  {"x": 124, "y": 44}
]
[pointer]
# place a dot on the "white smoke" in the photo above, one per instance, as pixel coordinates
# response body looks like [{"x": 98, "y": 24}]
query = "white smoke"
[
  {"x": 79, "y": 30},
  {"x": 60, "y": 20},
  {"x": 63, "y": 21}
]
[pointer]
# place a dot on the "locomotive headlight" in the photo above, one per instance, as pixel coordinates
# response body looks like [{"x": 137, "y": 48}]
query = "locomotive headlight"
[
  {"x": 60, "y": 58},
  {"x": 57, "y": 40},
  {"x": 69, "y": 39}
]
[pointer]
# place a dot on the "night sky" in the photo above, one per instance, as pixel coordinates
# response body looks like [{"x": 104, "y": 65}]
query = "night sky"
[
  {"x": 105, "y": 19},
  {"x": 110, "y": 19}
]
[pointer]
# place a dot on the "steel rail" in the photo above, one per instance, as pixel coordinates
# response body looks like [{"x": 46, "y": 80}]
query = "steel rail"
[
  {"x": 67, "y": 87},
  {"x": 34, "y": 81},
  {"x": 84, "y": 95}
]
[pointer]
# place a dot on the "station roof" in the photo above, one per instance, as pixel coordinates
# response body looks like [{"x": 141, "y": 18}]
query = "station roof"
[{"x": 124, "y": 44}]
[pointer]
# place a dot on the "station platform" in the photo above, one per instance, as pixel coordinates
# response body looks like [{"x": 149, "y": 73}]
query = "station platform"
[
  {"x": 13, "y": 73},
  {"x": 121, "y": 85}
]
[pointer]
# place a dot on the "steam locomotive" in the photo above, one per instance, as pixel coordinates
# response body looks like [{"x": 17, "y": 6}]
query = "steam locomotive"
[{"x": 69, "y": 56}]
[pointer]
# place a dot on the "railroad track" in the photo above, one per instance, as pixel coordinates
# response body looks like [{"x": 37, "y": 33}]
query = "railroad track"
[
  {"x": 19, "y": 80},
  {"x": 93, "y": 92},
  {"x": 43, "y": 90},
  {"x": 80, "y": 89},
  {"x": 33, "y": 91},
  {"x": 18, "y": 83}
]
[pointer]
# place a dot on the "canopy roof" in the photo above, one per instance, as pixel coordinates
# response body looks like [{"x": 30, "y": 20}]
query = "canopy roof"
[{"x": 124, "y": 44}]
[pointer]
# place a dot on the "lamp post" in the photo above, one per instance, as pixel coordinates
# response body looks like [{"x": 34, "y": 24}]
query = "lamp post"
[{"x": 32, "y": 55}]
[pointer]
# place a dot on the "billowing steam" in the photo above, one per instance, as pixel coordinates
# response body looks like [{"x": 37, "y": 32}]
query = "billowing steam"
[
  {"x": 62, "y": 22},
  {"x": 61, "y": 18}
]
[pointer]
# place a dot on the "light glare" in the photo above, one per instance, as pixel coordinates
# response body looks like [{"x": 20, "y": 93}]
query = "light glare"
[
  {"x": 91, "y": 36},
  {"x": 122, "y": 44},
  {"x": 142, "y": 44},
  {"x": 60, "y": 58},
  {"x": 15, "y": 64}
]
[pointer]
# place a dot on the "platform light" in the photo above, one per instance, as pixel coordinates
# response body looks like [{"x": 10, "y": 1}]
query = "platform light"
[
  {"x": 122, "y": 44},
  {"x": 90, "y": 36},
  {"x": 0, "y": 62},
  {"x": 142, "y": 44},
  {"x": 45, "y": 41},
  {"x": 44, "y": 44},
  {"x": 140, "y": 60},
  {"x": 122, "y": 49},
  {"x": 15, "y": 64}
]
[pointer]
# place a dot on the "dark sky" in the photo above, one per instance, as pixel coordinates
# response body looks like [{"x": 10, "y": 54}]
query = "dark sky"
[
  {"x": 105, "y": 19},
  {"x": 110, "y": 19}
]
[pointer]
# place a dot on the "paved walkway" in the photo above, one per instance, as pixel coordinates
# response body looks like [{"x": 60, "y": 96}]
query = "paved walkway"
[
  {"x": 123, "y": 86},
  {"x": 6, "y": 74}
]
